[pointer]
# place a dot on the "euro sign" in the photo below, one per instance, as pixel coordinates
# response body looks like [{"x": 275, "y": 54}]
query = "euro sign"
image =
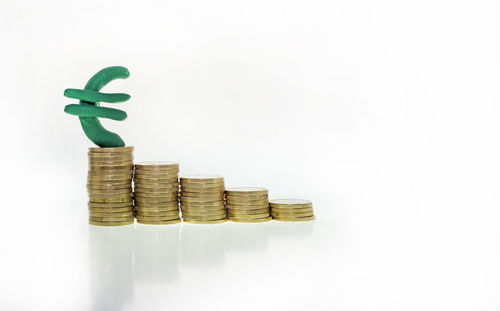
[{"x": 88, "y": 110}]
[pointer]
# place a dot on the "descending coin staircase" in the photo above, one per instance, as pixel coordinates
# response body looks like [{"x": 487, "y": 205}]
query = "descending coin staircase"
[{"x": 160, "y": 197}]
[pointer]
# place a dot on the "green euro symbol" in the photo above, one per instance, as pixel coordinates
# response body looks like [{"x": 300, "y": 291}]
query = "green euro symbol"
[{"x": 88, "y": 110}]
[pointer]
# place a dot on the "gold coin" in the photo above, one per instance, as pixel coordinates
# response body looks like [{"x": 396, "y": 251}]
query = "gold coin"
[
  {"x": 250, "y": 212},
  {"x": 159, "y": 214},
  {"x": 114, "y": 223},
  {"x": 106, "y": 188},
  {"x": 159, "y": 222},
  {"x": 109, "y": 205},
  {"x": 110, "y": 163},
  {"x": 238, "y": 208},
  {"x": 204, "y": 217},
  {"x": 155, "y": 185},
  {"x": 157, "y": 204},
  {"x": 156, "y": 174},
  {"x": 98, "y": 157},
  {"x": 292, "y": 215},
  {"x": 111, "y": 214},
  {"x": 157, "y": 165},
  {"x": 293, "y": 218},
  {"x": 203, "y": 213},
  {"x": 262, "y": 203},
  {"x": 247, "y": 191},
  {"x": 219, "y": 195},
  {"x": 108, "y": 195},
  {"x": 119, "y": 168},
  {"x": 202, "y": 187},
  {"x": 158, "y": 200},
  {"x": 111, "y": 200},
  {"x": 110, "y": 192},
  {"x": 155, "y": 198},
  {"x": 205, "y": 222},
  {"x": 110, "y": 219},
  {"x": 157, "y": 218},
  {"x": 201, "y": 199},
  {"x": 157, "y": 209},
  {"x": 290, "y": 203},
  {"x": 109, "y": 179},
  {"x": 203, "y": 204},
  {"x": 202, "y": 179},
  {"x": 156, "y": 179},
  {"x": 247, "y": 216},
  {"x": 292, "y": 210},
  {"x": 250, "y": 220},
  {"x": 245, "y": 199},
  {"x": 202, "y": 208},
  {"x": 111, "y": 210},
  {"x": 128, "y": 149},
  {"x": 157, "y": 190}
]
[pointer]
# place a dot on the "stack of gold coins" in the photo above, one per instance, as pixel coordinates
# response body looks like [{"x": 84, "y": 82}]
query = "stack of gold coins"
[
  {"x": 291, "y": 210},
  {"x": 202, "y": 199},
  {"x": 247, "y": 204},
  {"x": 156, "y": 193},
  {"x": 109, "y": 186}
]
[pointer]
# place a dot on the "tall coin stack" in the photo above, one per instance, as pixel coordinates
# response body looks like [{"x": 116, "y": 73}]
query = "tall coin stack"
[
  {"x": 202, "y": 199},
  {"x": 109, "y": 185},
  {"x": 291, "y": 210},
  {"x": 247, "y": 204},
  {"x": 156, "y": 193}
]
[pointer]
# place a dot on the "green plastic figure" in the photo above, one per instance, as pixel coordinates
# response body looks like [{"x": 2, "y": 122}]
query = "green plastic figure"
[{"x": 88, "y": 110}]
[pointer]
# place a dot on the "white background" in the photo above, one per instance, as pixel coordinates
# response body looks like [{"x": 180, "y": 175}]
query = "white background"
[{"x": 383, "y": 113}]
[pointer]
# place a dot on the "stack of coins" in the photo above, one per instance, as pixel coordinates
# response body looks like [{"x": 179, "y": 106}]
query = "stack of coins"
[
  {"x": 291, "y": 210},
  {"x": 109, "y": 185},
  {"x": 202, "y": 199},
  {"x": 247, "y": 204},
  {"x": 156, "y": 191}
]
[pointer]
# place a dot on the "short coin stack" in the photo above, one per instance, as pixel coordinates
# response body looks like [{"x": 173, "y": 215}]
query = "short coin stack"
[
  {"x": 156, "y": 190},
  {"x": 202, "y": 199},
  {"x": 291, "y": 210},
  {"x": 247, "y": 204},
  {"x": 109, "y": 185}
]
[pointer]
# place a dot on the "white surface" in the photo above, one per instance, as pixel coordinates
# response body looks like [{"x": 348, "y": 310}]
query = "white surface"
[{"x": 383, "y": 113}]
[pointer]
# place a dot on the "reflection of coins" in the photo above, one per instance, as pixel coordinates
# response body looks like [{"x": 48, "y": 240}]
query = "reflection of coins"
[
  {"x": 250, "y": 220},
  {"x": 205, "y": 222},
  {"x": 113, "y": 223}
]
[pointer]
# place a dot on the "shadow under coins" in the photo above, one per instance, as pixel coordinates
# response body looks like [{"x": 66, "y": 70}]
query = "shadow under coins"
[{"x": 111, "y": 266}]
